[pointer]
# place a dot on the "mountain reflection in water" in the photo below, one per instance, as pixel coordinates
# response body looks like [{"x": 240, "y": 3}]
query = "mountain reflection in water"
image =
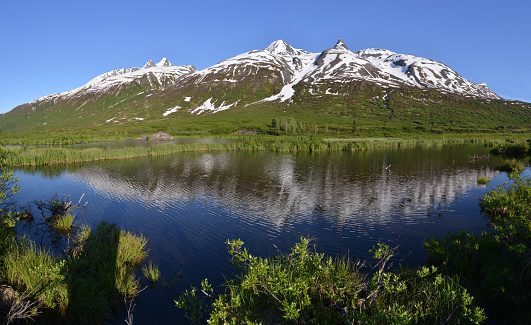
[{"x": 189, "y": 204}]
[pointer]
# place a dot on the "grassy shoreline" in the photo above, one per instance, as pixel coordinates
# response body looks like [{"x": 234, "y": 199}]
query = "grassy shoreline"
[{"x": 49, "y": 155}]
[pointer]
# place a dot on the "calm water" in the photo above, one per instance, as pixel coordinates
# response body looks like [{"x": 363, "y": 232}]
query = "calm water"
[{"x": 188, "y": 205}]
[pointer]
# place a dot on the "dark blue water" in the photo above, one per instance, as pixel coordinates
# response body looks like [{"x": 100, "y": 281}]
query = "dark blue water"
[{"x": 188, "y": 205}]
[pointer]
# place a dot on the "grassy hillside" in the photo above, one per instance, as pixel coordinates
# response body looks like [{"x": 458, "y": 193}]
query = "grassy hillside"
[{"x": 339, "y": 109}]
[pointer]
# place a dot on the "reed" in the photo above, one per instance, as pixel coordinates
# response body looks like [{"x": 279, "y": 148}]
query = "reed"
[
  {"x": 63, "y": 224},
  {"x": 48, "y": 155},
  {"x": 151, "y": 272},
  {"x": 483, "y": 180}
]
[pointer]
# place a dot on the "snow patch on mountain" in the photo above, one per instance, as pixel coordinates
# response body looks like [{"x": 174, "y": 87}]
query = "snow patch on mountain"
[
  {"x": 208, "y": 106},
  {"x": 171, "y": 110}
]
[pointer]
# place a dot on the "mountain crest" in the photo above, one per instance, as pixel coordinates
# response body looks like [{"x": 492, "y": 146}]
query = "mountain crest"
[
  {"x": 149, "y": 64},
  {"x": 280, "y": 47},
  {"x": 340, "y": 45},
  {"x": 165, "y": 63}
]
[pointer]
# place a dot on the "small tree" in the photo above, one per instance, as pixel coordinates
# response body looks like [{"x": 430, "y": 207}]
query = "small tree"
[{"x": 354, "y": 127}]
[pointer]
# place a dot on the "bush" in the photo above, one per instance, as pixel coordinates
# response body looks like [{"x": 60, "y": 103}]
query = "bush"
[
  {"x": 307, "y": 287},
  {"x": 494, "y": 265},
  {"x": 512, "y": 166}
]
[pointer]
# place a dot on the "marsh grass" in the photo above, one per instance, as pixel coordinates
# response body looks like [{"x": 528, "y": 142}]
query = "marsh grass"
[
  {"x": 38, "y": 156},
  {"x": 37, "y": 272},
  {"x": 151, "y": 272},
  {"x": 483, "y": 180},
  {"x": 63, "y": 224},
  {"x": 101, "y": 272},
  {"x": 87, "y": 286}
]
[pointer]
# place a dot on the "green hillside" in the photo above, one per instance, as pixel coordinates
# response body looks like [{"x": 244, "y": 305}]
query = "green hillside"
[{"x": 363, "y": 108}]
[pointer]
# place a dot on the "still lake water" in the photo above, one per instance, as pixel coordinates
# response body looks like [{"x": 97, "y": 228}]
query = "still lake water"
[{"x": 189, "y": 204}]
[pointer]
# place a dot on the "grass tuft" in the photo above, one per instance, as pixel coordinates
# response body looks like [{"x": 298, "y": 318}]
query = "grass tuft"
[
  {"x": 151, "y": 272},
  {"x": 483, "y": 180},
  {"x": 63, "y": 224}
]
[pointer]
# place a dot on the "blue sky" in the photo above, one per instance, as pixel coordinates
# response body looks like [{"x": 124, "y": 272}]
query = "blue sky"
[{"x": 53, "y": 46}]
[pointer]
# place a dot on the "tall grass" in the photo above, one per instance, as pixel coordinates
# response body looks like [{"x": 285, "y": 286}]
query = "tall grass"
[
  {"x": 103, "y": 272},
  {"x": 38, "y": 156},
  {"x": 37, "y": 272}
]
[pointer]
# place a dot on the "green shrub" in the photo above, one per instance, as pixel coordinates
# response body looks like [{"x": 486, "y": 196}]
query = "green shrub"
[
  {"x": 494, "y": 265},
  {"x": 511, "y": 166},
  {"x": 307, "y": 287}
]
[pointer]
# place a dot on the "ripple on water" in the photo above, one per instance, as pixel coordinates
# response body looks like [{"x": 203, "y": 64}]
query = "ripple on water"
[{"x": 188, "y": 205}]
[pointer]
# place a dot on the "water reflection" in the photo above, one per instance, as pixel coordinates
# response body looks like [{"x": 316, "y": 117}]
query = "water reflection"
[
  {"x": 282, "y": 190},
  {"x": 188, "y": 204}
]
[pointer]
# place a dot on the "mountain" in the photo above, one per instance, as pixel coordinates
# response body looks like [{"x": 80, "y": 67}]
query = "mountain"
[{"x": 278, "y": 76}]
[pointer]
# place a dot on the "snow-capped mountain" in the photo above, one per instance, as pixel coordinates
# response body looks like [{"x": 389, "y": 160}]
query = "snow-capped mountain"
[
  {"x": 289, "y": 66},
  {"x": 279, "y": 62},
  {"x": 276, "y": 75},
  {"x": 382, "y": 67},
  {"x": 155, "y": 76}
]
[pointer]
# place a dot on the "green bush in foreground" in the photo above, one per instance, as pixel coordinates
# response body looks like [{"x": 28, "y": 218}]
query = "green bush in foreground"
[
  {"x": 306, "y": 287},
  {"x": 495, "y": 266}
]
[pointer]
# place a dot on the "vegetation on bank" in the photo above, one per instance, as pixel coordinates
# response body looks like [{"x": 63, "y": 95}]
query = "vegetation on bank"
[
  {"x": 494, "y": 265},
  {"x": 513, "y": 153},
  {"x": 47, "y": 155},
  {"x": 308, "y": 288},
  {"x": 466, "y": 278},
  {"x": 74, "y": 273}
]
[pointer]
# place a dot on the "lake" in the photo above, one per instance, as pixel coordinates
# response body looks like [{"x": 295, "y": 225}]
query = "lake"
[{"x": 189, "y": 204}]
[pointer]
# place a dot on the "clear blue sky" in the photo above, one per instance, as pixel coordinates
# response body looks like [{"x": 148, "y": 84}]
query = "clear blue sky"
[{"x": 53, "y": 46}]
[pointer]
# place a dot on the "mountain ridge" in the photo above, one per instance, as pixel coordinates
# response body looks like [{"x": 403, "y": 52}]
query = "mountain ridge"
[{"x": 279, "y": 74}]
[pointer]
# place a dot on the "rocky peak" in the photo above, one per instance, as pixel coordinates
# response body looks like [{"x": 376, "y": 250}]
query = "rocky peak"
[
  {"x": 164, "y": 63},
  {"x": 280, "y": 47},
  {"x": 340, "y": 45},
  {"x": 149, "y": 64}
]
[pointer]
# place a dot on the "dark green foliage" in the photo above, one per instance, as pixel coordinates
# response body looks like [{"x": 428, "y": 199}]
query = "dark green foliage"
[
  {"x": 305, "y": 287},
  {"x": 512, "y": 150},
  {"x": 512, "y": 166},
  {"x": 495, "y": 266}
]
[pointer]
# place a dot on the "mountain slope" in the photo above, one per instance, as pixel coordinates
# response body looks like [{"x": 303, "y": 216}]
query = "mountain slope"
[{"x": 277, "y": 77}]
